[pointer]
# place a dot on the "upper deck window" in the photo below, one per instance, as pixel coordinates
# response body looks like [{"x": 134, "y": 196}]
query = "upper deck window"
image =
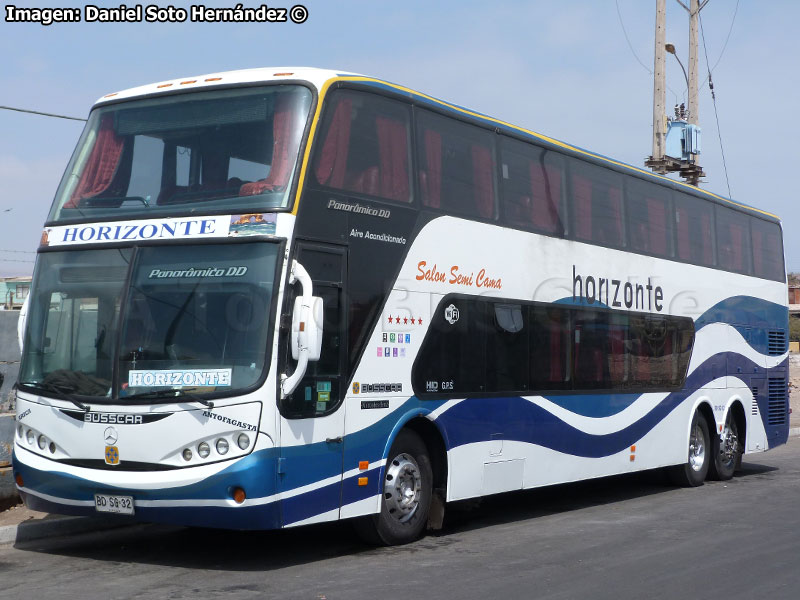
[
  {"x": 596, "y": 204},
  {"x": 365, "y": 147},
  {"x": 204, "y": 151},
  {"x": 456, "y": 166}
]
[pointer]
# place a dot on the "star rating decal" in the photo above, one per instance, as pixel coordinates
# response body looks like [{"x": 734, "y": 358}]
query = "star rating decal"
[{"x": 396, "y": 320}]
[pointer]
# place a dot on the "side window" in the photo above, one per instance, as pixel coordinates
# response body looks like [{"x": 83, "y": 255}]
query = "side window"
[
  {"x": 694, "y": 226},
  {"x": 733, "y": 241},
  {"x": 364, "y": 147},
  {"x": 456, "y": 166},
  {"x": 488, "y": 346},
  {"x": 551, "y": 348},
  {"x": 532, "y": 187},
  {"x": 596, "y": 204},
  {"x": 649, "y": 218},
  {"x": 767, "y": 250},
  {"x": 453, "y": 356}
]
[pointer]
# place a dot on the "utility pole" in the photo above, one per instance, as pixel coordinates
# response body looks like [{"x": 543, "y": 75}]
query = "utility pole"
[
  {"x": 676, "y": 143},
  {"x": 659, "y": 84}
]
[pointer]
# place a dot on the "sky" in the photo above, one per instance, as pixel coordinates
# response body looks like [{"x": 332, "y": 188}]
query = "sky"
[{"x": 576, "y": 70}]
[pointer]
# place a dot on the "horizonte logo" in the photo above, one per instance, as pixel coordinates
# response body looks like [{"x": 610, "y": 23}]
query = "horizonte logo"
[
  {"x": 180, "y": 378},
  {"x": 137, "y": 231}
]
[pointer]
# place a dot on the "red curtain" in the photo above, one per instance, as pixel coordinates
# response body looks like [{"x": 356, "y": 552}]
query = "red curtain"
[
  {"x": 284, "y": 148},
  {"x": 708, "y": 257},
  {"x": 484, "y": 180},
  {"x": 615, "y": 201},
  {"x": 332, "y": 163},
  {"x": 758, "y": 254},
  {"x": 683, "y": 234},
  {"x": 431, "y": 178},
  {"x": 545, "y": 195},
  {"x": 582, "y": 189},
  {"x": 102, "y": 163},
  {"x": 657, "y": 220},
  {"x": 393, "y": 150}
]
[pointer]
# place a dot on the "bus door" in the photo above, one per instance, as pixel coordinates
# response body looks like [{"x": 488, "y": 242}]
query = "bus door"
[{"x": 312, "y": 420}]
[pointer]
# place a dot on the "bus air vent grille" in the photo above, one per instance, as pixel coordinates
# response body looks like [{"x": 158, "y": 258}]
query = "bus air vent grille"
[
  {"x": 777, "y": 342},
  {"x": 754, "y": 410},
  {"x": 777, "y": 401}
]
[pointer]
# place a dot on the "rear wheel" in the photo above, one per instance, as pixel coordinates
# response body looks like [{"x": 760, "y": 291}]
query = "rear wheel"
[
  {"x": 693, "y": 472},
  {"x": 406, "y": 494},
  {"x": 727, "y": 451}
]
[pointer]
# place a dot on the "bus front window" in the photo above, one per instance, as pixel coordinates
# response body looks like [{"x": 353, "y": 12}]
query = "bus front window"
[
  {"x": 233, "y": 149},
  {"x": 194, "y": 319}
]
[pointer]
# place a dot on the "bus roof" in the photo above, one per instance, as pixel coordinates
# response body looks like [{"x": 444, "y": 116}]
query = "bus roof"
[{"x": 321, "y": 79}]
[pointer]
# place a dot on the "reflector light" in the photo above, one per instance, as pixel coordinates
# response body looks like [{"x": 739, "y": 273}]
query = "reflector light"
[
  {"x": 190, "y": 81},
  {"x": 281, "y": 74},
  {"x": 238, "y": 495},
  {"x": 110, "y": 95},
  {"x": 214, "y": 79},
  {"x": 163, "y": 85},
  {"x": 362, "y": 481},
  {"x": 18, "y": 479},
  {"x": 363, "y": 465}
]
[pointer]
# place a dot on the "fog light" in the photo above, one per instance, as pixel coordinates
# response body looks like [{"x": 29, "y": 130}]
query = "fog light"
[
  {"x": 42, "y": 442},
  {"x": 203, "y": 450},
  {"x": 52, "y": 448},
  {"x": 30, "y": 437},
  {"x": 238, "y": 495},
  {"x": 222, "y": 446},
  {"x": 187, "y": 454},
  {"x": 243, "y": 440}
]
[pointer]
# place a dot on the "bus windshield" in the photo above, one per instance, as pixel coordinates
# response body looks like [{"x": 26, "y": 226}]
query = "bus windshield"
[
  {"x": 217, "y": 150},
  {"x": 153, "y": 321}
]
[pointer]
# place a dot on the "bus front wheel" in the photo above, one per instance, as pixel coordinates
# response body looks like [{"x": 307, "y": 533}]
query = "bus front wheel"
[
  {"x": 406, "y": 494},
  {"x": 693, "y": 472}
]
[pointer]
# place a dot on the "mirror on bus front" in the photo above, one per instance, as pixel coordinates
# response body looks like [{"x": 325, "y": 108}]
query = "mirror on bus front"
[{"x": 307, "y": 327}]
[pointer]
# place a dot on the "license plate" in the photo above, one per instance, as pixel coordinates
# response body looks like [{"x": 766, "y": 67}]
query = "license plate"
[{"x": 113, "y": 504}]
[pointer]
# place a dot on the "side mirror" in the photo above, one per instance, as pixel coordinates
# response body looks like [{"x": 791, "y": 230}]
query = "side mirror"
[
  {"x": 307, "y": 327},
  {"x": 306, "y": 339}
]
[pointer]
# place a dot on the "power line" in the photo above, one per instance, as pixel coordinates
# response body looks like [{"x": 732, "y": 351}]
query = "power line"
[
  {"x": 636, "y": 56},
  {"x": 44, "y": 114},
  {"x": 714, "y": 100},
  {"x": 725, "y": 45},
  {"x": 19, "y": 251}
]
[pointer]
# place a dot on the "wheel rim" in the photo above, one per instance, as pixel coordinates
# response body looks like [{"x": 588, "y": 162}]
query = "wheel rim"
[
  {"x": 729, "y": 441},
  {"x": 402, "y": 487},
  {"x": 697, "y": 449}
]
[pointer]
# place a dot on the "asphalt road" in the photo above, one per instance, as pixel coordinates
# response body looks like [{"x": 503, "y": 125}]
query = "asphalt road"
[{"x": 624, "y": 537}]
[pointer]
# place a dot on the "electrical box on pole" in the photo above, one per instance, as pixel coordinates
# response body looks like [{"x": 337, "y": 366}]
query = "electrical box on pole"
[{"x": 676, "y": 141}]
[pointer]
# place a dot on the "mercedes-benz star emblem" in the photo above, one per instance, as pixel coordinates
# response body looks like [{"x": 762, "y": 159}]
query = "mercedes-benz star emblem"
[{"x": 110, "y": 436}]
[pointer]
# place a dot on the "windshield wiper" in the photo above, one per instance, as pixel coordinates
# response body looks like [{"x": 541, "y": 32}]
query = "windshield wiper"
[
  {"x": 63, "y": 394},
  {"x": 166, "y": 394}
]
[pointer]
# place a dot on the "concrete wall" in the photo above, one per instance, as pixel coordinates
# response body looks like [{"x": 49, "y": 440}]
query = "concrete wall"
[
  {"x": 9, "y": 367},
  {"x": 9, "y": 356}
]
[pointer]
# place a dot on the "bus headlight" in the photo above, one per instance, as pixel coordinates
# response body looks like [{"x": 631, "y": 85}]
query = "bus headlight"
[
  {"x": 243, "y": 441},
  {"x": 29, "y": 436},
  {"x": 203, "y": 449},
  {"x": 187, "y": 454},
  {"x": 222, "y": 446},
  {"x": 42, "y": 442}
]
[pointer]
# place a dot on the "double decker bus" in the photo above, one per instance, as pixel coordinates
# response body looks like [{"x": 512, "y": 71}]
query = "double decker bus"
[{"x": 274, "y": 297}]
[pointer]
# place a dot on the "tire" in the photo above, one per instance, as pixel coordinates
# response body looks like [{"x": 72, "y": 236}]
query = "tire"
[
  {"x": 406, "y": 497},
  {"x": 727, "y": 450},
  {"x": 693, "y": 472}
]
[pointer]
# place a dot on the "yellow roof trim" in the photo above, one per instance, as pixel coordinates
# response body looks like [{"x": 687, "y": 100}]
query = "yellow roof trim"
[{"x": 477, "y": 115}]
